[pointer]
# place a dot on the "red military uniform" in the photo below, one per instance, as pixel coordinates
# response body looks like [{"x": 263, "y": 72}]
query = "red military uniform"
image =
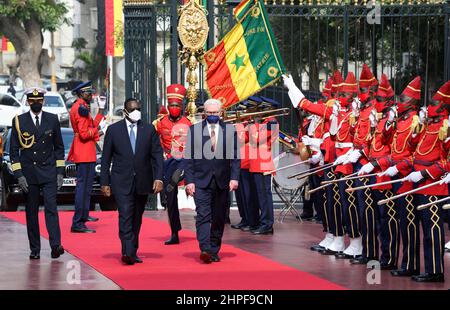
[
  {"x": 86, "y": 133},
  {"x": 173, "y": 135},
  {"x": 243, "y": 140},
  {"x": 261, "y": 139}
]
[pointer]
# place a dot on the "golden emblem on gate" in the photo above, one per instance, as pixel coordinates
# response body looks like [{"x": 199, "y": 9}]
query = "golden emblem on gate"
[{"x": 193, "y": 26}]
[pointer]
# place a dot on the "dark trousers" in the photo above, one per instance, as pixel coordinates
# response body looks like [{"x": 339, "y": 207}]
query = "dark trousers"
[
  {"x": 131, "y": 208},
  {"x": 409, "y": 230},
  {"x": 211, "y": 206},
  {"x": 51, "y": 215},
  {"x": 368, "y": 215},
  {"x": 265, "y": 202},
  {"x": 388, "y": 229},
  {"x": 318, "y": 200},
  {"x": 240, "y": 201},
  {"x": 333, "y": 206},
  {"x": 350, "y": 212},
  {"x": 170, "y": 165},
  {"x": 433, "y": 234},
  {"x": 248, "y": 190},
  {"x": 85, "y": 178}
]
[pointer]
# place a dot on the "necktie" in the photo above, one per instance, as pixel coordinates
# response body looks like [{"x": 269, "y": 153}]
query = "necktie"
[
  {"x": 213, "y": 138},
  {"x": 37, "y": 121},
  {"x": 132, "y": 138}
]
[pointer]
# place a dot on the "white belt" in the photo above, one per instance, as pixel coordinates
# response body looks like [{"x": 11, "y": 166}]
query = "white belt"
[
  {"x": 342, "y": 145},
  {"x": 326, "y": 135}
]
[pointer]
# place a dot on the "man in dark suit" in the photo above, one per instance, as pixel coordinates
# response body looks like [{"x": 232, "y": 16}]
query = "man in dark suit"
[
  {"x": 135, "y": 152},
  {"x": 212, "y": 169},
  {"x": 37, "y": 160}
]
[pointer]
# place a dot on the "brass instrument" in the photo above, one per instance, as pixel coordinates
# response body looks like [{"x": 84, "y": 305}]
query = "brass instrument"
[
  {"x": 238, "y": 116},
  {"x": 25, "y": 139}
]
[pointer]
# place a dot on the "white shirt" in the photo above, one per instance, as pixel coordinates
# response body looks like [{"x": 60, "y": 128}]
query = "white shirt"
[
  {"x": 215, "y": 130},
  {"x": 134, "y": 128},
  {"x": 33, "y": 117}
]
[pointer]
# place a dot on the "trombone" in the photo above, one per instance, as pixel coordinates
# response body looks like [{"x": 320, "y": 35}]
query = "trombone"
[{"x": 238, "y": 116}]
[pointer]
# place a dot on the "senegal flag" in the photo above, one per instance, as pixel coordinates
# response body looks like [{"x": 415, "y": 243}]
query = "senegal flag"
[{"x": 246, "y": 60}]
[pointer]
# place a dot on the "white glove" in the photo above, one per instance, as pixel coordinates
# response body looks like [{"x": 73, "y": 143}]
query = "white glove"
[
  {"x": 414, "y": 177},
  {"x": 294, "y": 92},
  {"x": 391, "y": 171},
  {"x": 313, "y": 142},
  {"x": 103, "y": 125},
  {"x": 422, "y": 115},
  {"x": 101, "y": 101},
  {"x": 445, "y": 180},
  {"x": 336, "y": 107},
  {"x": 392, "y": 113},
  {"x": 356, "y": 106},
  {"x": 341, "y": 159},
  {"x": 306, "y": 140},
  {"x": 373, "y": 119},
  {"x": 352, "y": 157},
  {"x": 315, "y": 158},
  {"x": 366, "y": 169}
]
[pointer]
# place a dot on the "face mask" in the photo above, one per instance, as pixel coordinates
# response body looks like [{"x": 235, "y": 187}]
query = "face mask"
[
  {"x": 212, "y": 119},
  {"x": 363, "y": 97},
  {"x": 174, "y": 111},
  {"x": 345, "y": 101},
  {"x": 36, "y": 107},
  {"x": 134, "y": 116}
]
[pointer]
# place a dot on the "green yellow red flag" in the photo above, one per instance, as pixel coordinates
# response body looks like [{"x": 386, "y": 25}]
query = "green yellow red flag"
[{"x": 246, "y": 60}]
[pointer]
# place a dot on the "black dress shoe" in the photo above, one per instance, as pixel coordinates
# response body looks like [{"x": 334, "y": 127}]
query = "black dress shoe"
[
  {"x": 173, "y": 240},
  {"x": 205, "y": 257},
  {"x": 429, "y": 277},
  {"x": 329, "y": 252},
  {"x": 342, "y": 255},
  {"x": 317, "y": 248},
  {"x": 384, "y": 266},
  {"x": 248, "y": 228},
  {"x": 404, "y": 273},
  {"x": 138, "y": 260},
  {"x": 92, "y": 219},
  {"x": 34, "y": 255},
  {"x": 447, "y": 250},
  {"x": 360, "y": 260},
  {"x": 238, "y": 226},
  {"x": 262, "y": 231},
  {"x": 306, "y": 216},
  {"x": 215, "y": 258},
  {"x": 82, "y": 230},
  {"x": 57, "y": 251},
  {"x": 128, "y": 260}
]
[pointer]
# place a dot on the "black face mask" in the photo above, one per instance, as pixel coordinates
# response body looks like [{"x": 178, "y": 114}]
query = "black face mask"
[{"x": 36, "y": 107}]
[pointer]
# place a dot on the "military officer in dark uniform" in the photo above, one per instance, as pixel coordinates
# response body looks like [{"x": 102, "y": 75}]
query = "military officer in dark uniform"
[{"x": 37, "y": 159}]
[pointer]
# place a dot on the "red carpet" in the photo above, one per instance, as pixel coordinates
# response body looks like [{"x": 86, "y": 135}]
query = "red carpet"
[{"x": 174, "y": 267}]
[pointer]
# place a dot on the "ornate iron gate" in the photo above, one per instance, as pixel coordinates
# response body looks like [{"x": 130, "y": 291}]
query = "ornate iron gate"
[{"x": 399, "y": 38}]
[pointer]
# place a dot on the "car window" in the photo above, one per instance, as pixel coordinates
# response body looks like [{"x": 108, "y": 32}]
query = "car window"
[
  {"x": 6, "y": 145},
  {"x": 53, "y": 101},
  {"x": 4, "y": 80},
  {"x": 67, "y": 139},
  {"x": 8, "y": 101}
]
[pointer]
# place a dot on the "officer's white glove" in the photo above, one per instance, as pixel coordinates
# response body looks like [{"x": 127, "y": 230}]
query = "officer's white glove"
[
  {"x": 391, "y": 171},
  {"x": 103, "y": 126},
  {"x": 373, "y": 118},
  {"x": 445, "y": 180},
  {"x": 422, "y": 115},
  {"x": 414, "y": 177},
  {"x": 101, "y": 101},
  {"x": 356, "y": 106},
  {"x": 294, "y": 92},
  {"x": 306, "y": 140},
  {"x": 316, "y": 158},
  {"x": 341, "y": 159},
  {"x": 392, "y": 113},
  {"x": 353, "y": 157},
  {"x": 336, "y": 107},
  {"x": 366, "y": 169}
]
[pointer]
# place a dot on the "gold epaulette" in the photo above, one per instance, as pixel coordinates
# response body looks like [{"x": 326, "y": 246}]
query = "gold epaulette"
[
  {"x": 352, "y": 120},
  {"x": 443, "y": 131},
  {"x": 330, "y": 102},
  {"x": 415, "y": 126},
  {"x": 379, "y": 116}
]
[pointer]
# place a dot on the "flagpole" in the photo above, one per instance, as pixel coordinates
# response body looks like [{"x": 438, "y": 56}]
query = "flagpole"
[{"x": 110, "y": 87}]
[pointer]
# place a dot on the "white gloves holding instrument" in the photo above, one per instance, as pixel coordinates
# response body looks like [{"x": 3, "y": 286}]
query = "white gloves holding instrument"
[{"x": 295, "y": 94}]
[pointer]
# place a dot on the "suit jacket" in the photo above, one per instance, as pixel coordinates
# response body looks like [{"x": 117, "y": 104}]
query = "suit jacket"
[
  {"x": 45, "y": 158},
  {"x": 201, "y": 165},
  {"x": 130, "y": 170}
]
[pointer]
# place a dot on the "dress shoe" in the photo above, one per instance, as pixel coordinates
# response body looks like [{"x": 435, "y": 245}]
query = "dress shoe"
[
  {"x": 263, "y": 231},
  {"x": 138, "y": 260},
  {"x": 128, "y": 260},
  {"x": 248, "y": 228},
  {"x": 92, "y": 219},
  {"x": 82, "y": 230},
  {"x": 384, "y": 266},
  {"x": 306, "y": 216},
  {"x": 205, "y": 257},
  {"x": 215, "y": 258},
  {"x": 34, "y": 255},
  {"x": 57, "y": 251},
  {"x": 238, "y": 226},
  {"x": 342, "y": 255},
  {"x": 429, "y": 277},
  {"x": 173, "y": 240},
  {"x": 361, "y": 260},
  {"x": 329, "y": 252},
  {"x": 404, "y": 273},
  {"x": 317, "y": 248}
]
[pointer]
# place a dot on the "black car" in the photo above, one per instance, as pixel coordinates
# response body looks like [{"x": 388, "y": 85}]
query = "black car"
[{"x": 11, "y": 195}]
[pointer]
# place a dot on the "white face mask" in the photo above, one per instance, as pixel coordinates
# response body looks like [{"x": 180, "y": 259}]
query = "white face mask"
[{"x": 135, "y": 116}]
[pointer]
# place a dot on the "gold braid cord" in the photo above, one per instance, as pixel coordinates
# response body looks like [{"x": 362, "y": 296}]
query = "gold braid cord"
[{"x": 25, "y": 140}]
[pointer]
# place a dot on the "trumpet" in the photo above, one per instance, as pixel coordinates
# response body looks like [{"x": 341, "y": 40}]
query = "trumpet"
[{"x": 238, "y": 116}]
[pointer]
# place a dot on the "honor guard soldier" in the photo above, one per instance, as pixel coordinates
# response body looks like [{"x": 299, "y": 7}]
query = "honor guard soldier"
[
  {"x": 386, "y": 215},
  {"x": 173, "y": 129},
  {"x": 83, "y": 152},
  {"x": 37, "y": 160},
  {"x": 431, "y": 149},
  {"x": 402, "y": 124}
]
